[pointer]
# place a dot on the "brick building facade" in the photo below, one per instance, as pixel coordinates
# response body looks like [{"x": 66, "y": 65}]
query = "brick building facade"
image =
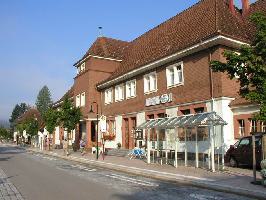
[{"x": 166, "y": 72}]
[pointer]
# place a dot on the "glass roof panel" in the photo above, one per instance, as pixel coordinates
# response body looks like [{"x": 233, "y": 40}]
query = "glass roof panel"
[{"x": 200, "y": 119}]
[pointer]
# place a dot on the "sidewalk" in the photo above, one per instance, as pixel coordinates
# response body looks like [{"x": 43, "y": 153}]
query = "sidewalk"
[
  {"x": 7, "y": 190},
  {"x": 233, "y": 180}
]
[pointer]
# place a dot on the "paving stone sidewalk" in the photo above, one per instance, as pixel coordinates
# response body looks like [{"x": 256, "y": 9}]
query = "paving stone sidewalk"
[{"x": 7, "y": 190}]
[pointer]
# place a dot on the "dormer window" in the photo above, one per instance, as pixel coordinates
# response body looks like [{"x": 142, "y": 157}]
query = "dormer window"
[{"x": 81, "y": 68}]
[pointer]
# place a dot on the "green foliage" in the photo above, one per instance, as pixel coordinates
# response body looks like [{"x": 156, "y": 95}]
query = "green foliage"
[
  {"x": 17, "y": 112},
  {"x": 20, "y": 128},
  {"x": 249, "y": 66},
  {"x": 43, "y": 101},
  {"x": 69, "y": 116},
  {"x": 31, "y": 126},
  {"x": 5, "y": 134},
  {"x": 51, "y": 120}
]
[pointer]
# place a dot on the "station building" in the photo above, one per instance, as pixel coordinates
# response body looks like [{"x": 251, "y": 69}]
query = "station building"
[{"x": 166, "y": 73}]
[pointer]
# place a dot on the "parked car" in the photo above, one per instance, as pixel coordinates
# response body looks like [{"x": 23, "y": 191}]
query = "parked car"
[{"x": 241, "y": 153}]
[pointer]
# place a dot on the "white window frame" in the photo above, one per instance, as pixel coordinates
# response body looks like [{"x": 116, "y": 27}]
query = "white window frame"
[
  {"x": 78, "y": 100},
  {"x": 119, "y": 92},
  {"x": 176, "y": 72},
  {"x": 148, "y": 83},
  {"x": 263, "y": 126},
  {"x": 82, "y": 99},
  {"x": 131, "y": 89},
  {"x": 255, "y": 127},
  {"x": 82, "y": 67},
  {"x": 108, "y": 96},
  {"x": 241, "y": 127}
]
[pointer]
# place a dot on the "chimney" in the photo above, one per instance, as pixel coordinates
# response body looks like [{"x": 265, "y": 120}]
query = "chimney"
[
  {"x": 232, "y": 7},
  {"x": 245, "y": 7}
]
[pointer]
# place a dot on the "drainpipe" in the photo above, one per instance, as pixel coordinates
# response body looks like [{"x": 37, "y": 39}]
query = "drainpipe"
[{"x": 212, "y": 145}]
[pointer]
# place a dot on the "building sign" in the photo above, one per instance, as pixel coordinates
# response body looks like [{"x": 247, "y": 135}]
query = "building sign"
[
  {"x": 165, "y": 98},
  {"x": 103, "y": 124}
]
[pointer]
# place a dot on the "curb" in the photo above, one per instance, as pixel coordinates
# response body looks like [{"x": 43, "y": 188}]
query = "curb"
[{"x": 162, "y": 176}]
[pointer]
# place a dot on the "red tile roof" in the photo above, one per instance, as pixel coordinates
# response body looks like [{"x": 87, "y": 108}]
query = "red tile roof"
[
  {"x": 69, "y": 93},
  {"x": 107, "y": 48},
  {"x": 29, "y": 114},
  {"x": 239, "y": 101},
  {"x": 258, "y": 6},
  {"x": 205, "y": 19}
]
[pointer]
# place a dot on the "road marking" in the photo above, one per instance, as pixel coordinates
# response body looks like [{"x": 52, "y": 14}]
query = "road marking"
[
  {"x": 45, "y": 157},
  {"x": 204, "y": 197},
  {"x": 83, "y": 168},
  {"x": 166, "y": 174},
  {"x": 132, "y": 180}
]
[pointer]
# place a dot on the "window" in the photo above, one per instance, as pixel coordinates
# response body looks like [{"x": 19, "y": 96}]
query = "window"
[
  {"x": 119, "y": 92},
  {"x": 185, "y": 112},
  {"x": 108, "y": 96},
  {"x": 82, "y": 67},
  {"x": 244, "y": 142},
  {"x": 82, "y": 99},
  {"x": 78, "y": 100},
  {"x": 263, "y": 126},
  {"x": 241, "y": 124},
  {"x": 199, "y": 110},
  {"x": 150, "y": 82},
  {"x": 253, "y": 125},
  {"x": 131, "y": 89},
  {"x": 111, "y": 127},
  {"x": 174, "y": 75}
]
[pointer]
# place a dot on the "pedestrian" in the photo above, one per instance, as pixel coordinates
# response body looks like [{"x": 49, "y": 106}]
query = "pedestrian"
[
  {"x": 82, "y": 146},
  {"x": 65, "y": 147}
]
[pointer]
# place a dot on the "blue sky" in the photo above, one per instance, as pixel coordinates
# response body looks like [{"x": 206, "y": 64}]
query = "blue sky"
[{"x": 41, "y": 39}]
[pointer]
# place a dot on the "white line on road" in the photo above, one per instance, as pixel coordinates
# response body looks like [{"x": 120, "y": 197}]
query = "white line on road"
[
  {"x": 83, "y": 168},
  {"x": 132, "y": 180}
]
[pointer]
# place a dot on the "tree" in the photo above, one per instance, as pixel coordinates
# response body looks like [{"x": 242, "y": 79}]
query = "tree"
[
  {"x": 249, "y": 66},
  {"x": 17, "y": 112},
  {"x": 51, "y": 120},
  {"x": 43, "y": 101},
  {"x": 69, "y": 116},
  {"x": 31, "y": 126},
  {"x": 5, "y": 134}
]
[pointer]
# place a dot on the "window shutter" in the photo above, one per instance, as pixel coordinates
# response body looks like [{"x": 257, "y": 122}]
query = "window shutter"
[
  {"x": 176, "y": 77},
  {"x": 116, "y": 93},
  {"x": 146, "y": 84},
  {"x": 152, "y": 85},
  {"x": 168, "y": 78},
  {"x": 133, "y": 88}
]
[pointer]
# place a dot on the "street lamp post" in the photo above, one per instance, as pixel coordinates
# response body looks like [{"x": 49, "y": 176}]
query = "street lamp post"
[{"x": 97, "y": 121}]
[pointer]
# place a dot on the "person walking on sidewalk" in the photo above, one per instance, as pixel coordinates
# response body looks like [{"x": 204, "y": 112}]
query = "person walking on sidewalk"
[
  {"x": 82, "y": 145},
  {"x": 65, "y": 147}
]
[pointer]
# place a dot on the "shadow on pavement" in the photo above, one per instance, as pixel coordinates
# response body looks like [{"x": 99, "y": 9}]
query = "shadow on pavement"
[
  {"x": 5, "y": 158},
  {"x": 11, "y": 150}
]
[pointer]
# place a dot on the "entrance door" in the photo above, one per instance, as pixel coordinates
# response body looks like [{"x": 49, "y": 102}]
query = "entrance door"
[
  {"x": 126, "y": 133},
  {"x": 93, "y": 131}
]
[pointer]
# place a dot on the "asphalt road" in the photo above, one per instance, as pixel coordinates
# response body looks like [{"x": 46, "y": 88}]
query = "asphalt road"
[{"x": 40, "y": 177}]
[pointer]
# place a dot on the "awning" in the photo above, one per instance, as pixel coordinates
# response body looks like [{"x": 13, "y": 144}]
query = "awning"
[{"x": 192, "y": 120}]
